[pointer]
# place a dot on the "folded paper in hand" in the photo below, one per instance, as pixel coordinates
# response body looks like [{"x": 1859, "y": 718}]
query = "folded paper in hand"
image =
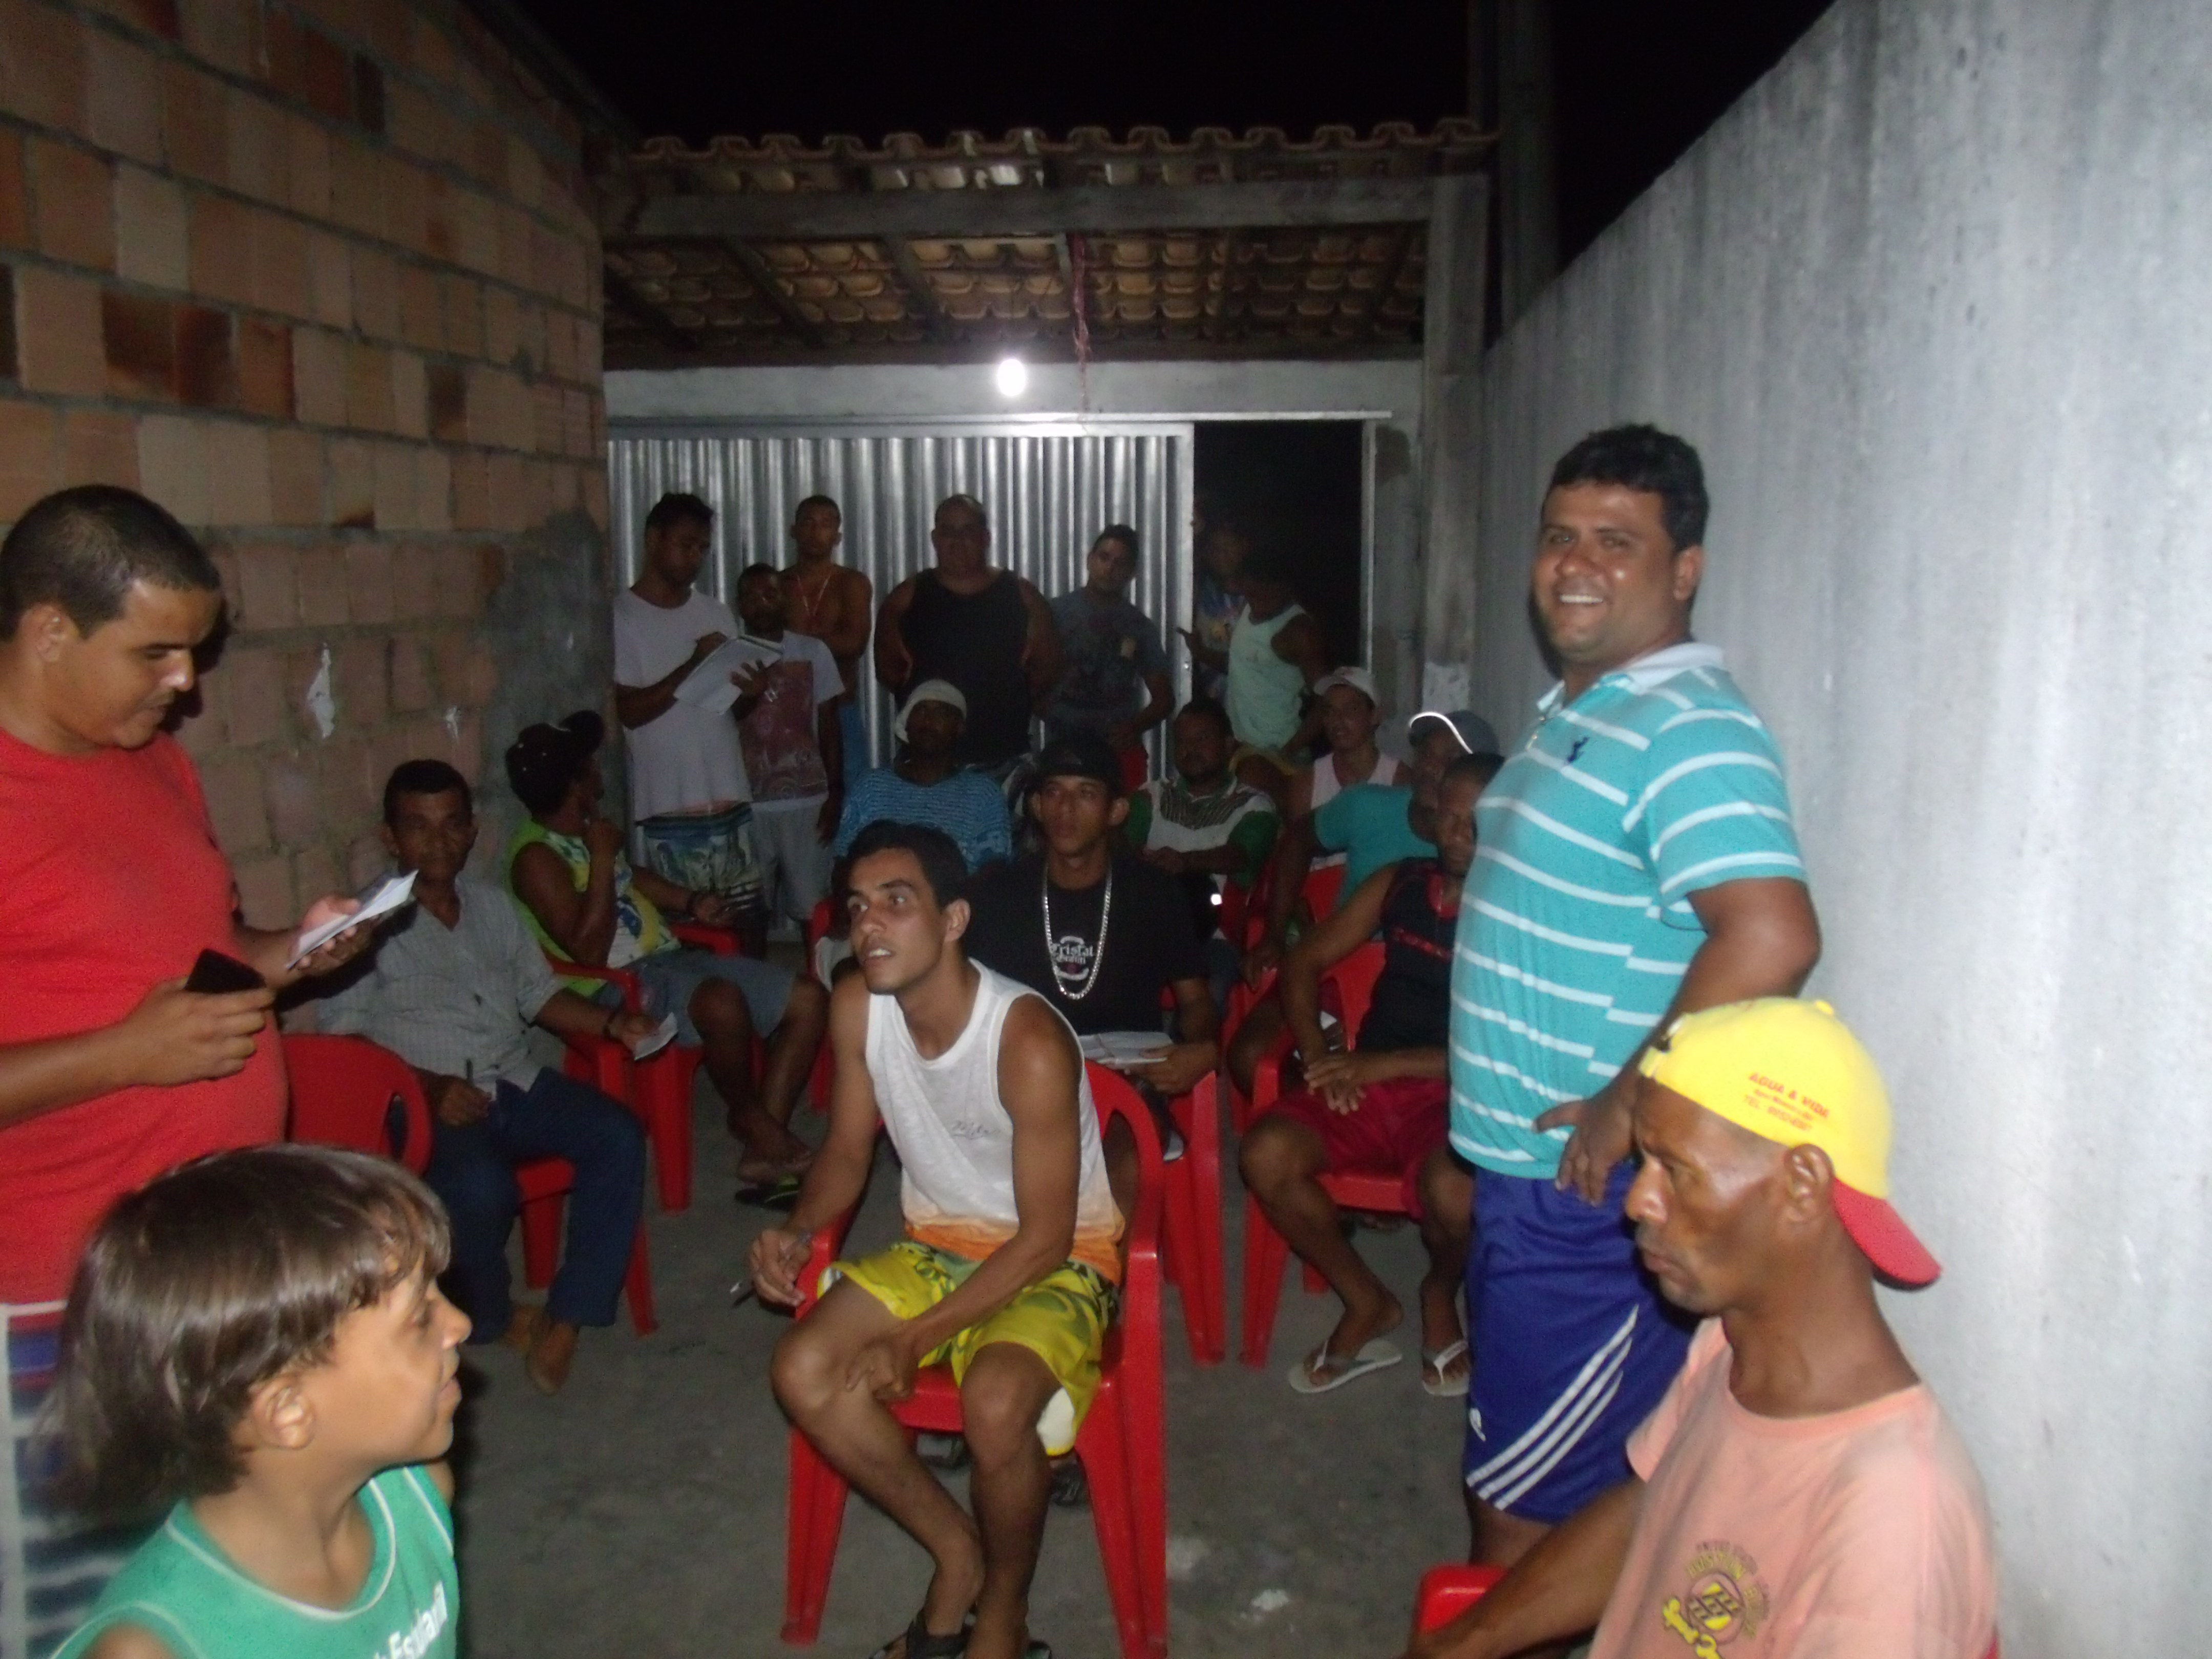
[
  {"x": 655, "y": 1040},
  {"x": 708, "y": 686},
  {"x": 389, "y": 894},
  {"x": 1120, "y": 1048}
]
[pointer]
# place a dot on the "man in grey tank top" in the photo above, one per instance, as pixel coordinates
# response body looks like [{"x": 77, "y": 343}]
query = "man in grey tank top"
[{"x": 1007, "y": 1270}]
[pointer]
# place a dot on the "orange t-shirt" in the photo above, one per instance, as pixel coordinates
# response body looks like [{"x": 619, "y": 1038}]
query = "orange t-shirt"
[
  {"x": 110, "y": 881},
  {"x": 1859, "y": 1534}
]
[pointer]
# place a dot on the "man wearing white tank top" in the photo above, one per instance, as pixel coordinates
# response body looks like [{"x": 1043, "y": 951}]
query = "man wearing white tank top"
[
  {"x": 1350, "y": 716},
  {"x": 1008, "y": 1268}
]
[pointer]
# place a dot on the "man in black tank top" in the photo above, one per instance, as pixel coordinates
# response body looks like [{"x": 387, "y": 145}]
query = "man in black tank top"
[
  {"x": 987, "y": 631},
  {"x": 1381, "y": 1107}
]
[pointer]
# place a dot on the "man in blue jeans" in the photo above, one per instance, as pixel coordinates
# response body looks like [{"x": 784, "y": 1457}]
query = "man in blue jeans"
[{"x": 454, "y": 985}]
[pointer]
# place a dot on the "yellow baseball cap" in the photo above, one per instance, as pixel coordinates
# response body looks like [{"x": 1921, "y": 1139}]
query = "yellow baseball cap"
[{"x": 1791, "y": 1073}]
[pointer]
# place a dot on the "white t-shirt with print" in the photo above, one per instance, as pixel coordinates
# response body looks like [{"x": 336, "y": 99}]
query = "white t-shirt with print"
[
  {"x": 685, "y": 760},
  {"x": 783, "y": 758}
]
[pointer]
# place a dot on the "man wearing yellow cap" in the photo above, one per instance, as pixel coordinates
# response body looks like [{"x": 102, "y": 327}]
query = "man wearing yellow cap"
[{"x": 1798, "y": 1490}]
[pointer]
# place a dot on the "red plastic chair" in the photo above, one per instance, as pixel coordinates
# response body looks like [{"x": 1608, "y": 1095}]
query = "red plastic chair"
[
  {"x": 1266, "y": 1249},
  {"x": 1136, "y": 769},
  {"x": 1122, "y": 1443},
  {"x": 1192, "y": 1243},
  {"x": 818, "y": 1080},
  {"x": 1322, "y": 888},
  {"x": 1320, "y": 894},
  {"x": 344, "y": 1090},
  {"x": 657, "y": 1090},
  {"x": 1446, "y": 1592}
]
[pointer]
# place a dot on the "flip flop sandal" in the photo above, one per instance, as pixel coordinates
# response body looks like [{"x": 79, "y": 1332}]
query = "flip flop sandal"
[
  {"x": 1319, "y": 1373},
  {"x": 1434, "y": 1363},
  {"x": 920, "y": 1644},
  {"x": 778, "y": 1194}
]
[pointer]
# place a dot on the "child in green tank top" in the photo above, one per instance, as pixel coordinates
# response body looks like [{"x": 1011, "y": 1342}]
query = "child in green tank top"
[{"x": 257, "y": 1339}]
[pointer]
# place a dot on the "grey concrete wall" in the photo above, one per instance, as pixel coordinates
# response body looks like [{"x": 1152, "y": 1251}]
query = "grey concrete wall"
[
  {"x": 1933, "y": 301},
  {"x": 1386, "y": 390}
]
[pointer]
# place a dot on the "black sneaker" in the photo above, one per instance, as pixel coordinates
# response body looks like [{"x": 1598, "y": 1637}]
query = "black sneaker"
[{"x": 1071, "y": 1487}]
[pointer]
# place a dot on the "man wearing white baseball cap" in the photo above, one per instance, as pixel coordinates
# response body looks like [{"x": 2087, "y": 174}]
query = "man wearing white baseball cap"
[
  {"x": 925, "y": 785},
  {"x": 1798, "y": 1490},
  {"x": 1371, "y": 824}
]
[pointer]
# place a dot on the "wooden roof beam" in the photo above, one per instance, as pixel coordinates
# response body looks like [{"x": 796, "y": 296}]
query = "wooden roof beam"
[
  {"x": 997, "y": 215},
  {"x": 935, "y": 323},
  {"x": 646, "y": 314},
  {"x": 771, "y": 291}
]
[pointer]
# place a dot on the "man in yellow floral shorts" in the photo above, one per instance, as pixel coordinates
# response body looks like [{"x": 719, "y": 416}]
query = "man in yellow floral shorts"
[{"x": 1008, "y": 1269}]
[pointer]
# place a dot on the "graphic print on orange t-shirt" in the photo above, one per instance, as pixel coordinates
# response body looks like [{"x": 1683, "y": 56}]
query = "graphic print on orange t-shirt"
[{"x": 1725, "y": 1598}]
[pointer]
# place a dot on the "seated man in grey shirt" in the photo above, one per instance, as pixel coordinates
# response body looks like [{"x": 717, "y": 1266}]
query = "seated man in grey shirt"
[{"x": 453, "y": 989}]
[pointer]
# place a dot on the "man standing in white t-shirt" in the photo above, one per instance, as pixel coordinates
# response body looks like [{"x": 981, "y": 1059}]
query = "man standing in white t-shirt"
[
  {"x": 794, "y": 742},
  {"x": 689, "y": 795}
]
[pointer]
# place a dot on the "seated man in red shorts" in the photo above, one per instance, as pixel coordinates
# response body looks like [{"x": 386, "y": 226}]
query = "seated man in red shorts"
[{"x": 1380, "y": 1106}]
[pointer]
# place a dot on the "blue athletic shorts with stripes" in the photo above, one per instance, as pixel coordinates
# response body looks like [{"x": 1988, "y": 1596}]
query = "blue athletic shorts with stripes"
[{"x": 1573, "y": 1346}]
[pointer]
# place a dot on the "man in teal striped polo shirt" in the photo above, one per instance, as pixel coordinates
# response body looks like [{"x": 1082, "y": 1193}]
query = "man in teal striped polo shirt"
[{"x": 1636, "y": 860}]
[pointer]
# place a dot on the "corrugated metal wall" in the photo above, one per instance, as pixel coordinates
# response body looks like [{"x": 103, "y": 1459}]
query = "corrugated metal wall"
[{"x": 1049, "y": 491}]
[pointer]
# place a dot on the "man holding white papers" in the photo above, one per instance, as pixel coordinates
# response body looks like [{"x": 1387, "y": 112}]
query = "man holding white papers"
[
  {"x": 453, "y": 989},
  {"x": 111, "y": 885},
  {"x": 689, "y": 794},
  {"x": 111, "y": 1071},
  {"x": 794, "y": 744}
]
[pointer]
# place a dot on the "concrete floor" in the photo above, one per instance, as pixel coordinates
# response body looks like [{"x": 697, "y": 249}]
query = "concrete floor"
[{"x": 642, "y": 1512}]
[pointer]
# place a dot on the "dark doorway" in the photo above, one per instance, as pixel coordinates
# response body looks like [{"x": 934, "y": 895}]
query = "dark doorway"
[{"x": 1297, "y": 485}]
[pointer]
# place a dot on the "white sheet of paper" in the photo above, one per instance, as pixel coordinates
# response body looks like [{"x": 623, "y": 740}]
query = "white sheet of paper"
[
  {"x": 657, "y": 1039},
  {"x": 396, "y": 891},
  {"x": 709, "y": 687},
  {"x": 1119, "y": 1048}
]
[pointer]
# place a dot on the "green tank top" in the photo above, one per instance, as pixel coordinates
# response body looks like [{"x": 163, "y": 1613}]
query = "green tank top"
[
  {"x": 639, "y": 928},
  {"x": 1263, "y": 688},
  {"x": 180, "y": 1589}
]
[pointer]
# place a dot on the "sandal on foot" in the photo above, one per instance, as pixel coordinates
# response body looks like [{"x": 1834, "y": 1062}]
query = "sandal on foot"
[
  {"x": 1321, "y": 1371},
  {"x": 1435, "y": 1362},
  {"x": 920, "y": 1644},
  {"x": 780, "y": 1193}
]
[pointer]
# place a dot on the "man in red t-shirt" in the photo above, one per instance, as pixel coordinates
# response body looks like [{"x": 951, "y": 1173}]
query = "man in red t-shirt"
[{"x": 111, "y": 885}]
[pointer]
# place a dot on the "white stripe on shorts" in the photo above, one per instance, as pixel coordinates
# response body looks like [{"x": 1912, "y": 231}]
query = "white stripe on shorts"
[{"x": 1551, "y": 1436}]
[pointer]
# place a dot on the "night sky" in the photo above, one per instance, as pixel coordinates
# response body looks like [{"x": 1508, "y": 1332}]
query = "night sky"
[{"x": 1637, "y": 81}]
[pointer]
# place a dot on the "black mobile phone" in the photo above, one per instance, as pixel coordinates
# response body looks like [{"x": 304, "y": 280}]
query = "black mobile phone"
[{"x": 217, "y": 975}]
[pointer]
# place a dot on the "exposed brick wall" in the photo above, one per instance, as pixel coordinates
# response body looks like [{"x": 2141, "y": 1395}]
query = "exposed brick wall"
[{"x": 322, "y": 278}]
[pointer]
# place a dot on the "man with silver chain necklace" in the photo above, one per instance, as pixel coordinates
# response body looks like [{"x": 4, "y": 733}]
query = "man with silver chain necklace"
[{"x": 1097, "y": 932}]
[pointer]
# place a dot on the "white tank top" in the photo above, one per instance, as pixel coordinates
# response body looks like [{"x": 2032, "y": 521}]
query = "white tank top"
[
  {"x": 957, "y": 1141},
  {"x": 1326, "y": 788}
]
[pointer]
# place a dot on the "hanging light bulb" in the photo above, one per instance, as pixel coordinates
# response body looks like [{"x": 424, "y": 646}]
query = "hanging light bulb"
[{"x": 1012, "y": 377}]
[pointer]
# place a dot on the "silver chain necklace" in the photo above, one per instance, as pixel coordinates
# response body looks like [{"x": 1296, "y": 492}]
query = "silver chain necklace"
[{"x": 1066, "y": 984}]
